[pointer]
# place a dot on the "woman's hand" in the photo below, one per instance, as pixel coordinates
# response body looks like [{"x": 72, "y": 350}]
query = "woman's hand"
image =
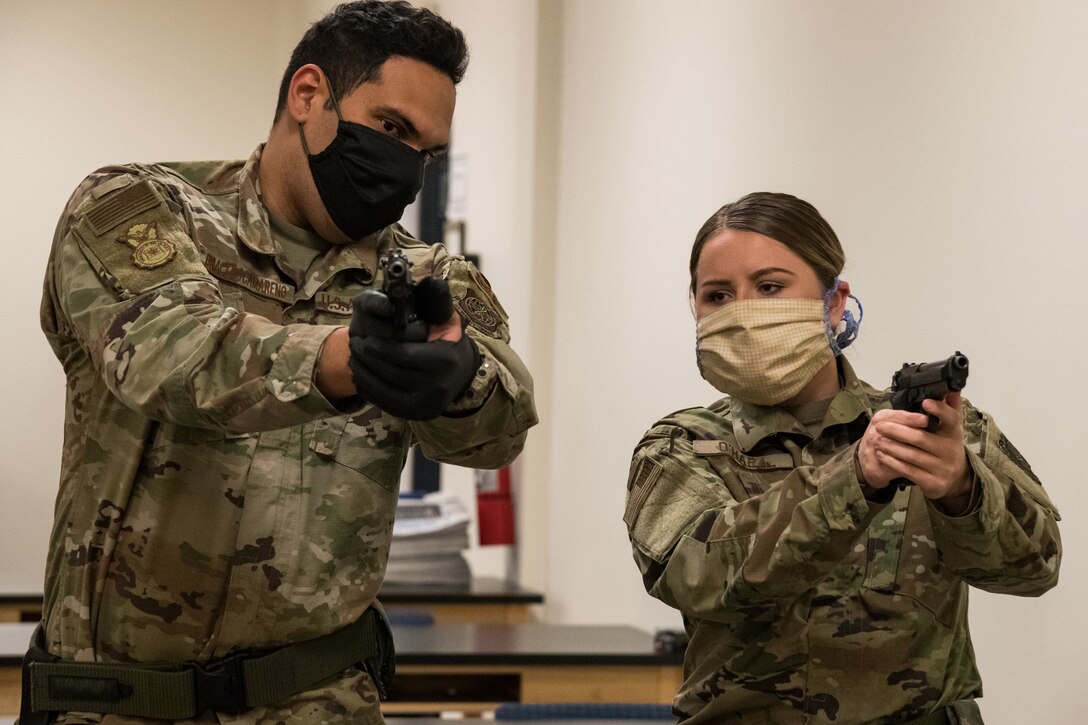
[{"x": 897, "y": 444}]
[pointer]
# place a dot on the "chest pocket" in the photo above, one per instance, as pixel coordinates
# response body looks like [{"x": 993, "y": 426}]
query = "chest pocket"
[
  {"x": 902, "y": 557},
  {"x": 368, "y": 442}
]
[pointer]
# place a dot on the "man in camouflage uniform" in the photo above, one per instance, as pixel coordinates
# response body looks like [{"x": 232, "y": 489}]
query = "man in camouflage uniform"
[
  {"x": 809, "y": 596},
  {"x": 228, "y": 482}
]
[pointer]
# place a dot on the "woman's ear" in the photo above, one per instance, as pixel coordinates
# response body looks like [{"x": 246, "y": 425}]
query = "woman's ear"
[{"x": 837, "y": 304}]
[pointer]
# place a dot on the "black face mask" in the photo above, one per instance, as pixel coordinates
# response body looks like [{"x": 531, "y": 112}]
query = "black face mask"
[{"x": 365, "y": 178}]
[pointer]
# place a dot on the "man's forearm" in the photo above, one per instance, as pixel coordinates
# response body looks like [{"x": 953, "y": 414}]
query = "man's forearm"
[{"x": 333, "y": 374}]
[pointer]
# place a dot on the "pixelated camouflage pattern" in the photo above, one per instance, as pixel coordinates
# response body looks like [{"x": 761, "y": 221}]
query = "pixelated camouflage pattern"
[
  {"x": 805, "y": 602},
  {"x": 210, "y": 497}
]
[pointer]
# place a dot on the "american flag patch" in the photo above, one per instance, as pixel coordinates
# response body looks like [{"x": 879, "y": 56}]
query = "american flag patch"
[
  {"x": 646, "y": 476},
  {"x": 121, "y": 207}
]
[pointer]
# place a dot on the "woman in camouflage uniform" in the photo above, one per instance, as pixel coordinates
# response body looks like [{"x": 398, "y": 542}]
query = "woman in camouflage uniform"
[{"x": 814, "y": 588}]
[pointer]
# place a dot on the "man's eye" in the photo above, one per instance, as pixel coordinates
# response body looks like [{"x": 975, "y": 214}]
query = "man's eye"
[{"x": 391, "y": 128}]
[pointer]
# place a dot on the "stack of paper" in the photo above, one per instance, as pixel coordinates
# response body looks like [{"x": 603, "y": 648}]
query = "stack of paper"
[{"x": 429, "y": 539}]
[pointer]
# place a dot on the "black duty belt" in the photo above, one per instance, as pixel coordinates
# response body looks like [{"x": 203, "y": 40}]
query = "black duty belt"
[{"x": 231, "y": 684}]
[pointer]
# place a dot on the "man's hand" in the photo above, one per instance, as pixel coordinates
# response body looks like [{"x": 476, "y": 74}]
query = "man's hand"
[
  {"x": 414, "y": 372},
  {"x": 896, "y": 444},
  {"x": 372, "y": 314}
]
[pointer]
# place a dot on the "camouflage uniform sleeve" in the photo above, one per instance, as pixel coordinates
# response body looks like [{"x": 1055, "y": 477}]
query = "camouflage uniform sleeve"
[
  {"x": 486, "y": 427},
  {"x": 126, "y": 283},
  {"x": 706, "y": 553},
  {"x": 1008, "y": 541}
]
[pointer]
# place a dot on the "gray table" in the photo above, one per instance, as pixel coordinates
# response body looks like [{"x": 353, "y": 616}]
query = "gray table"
[{"x": 474, "y": 667}]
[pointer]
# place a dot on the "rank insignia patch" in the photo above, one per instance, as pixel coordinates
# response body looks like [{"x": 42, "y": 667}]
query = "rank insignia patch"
[{"x": 148, "y": 249}]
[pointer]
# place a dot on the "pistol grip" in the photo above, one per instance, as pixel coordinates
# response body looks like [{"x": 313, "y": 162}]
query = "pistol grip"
[{"x": 933, "y": 424}]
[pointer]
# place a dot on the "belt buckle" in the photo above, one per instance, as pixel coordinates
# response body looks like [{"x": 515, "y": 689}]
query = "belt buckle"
[{"x": 219, "y": 685}]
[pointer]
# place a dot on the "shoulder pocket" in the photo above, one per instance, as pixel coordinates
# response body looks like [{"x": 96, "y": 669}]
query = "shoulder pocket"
[
  {"x": 663, "y": 503},
  {"x": 134, "y": 242}
]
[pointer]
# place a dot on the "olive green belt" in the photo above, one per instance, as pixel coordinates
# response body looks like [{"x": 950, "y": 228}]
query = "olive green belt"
[
  {"x": 231, "y": 684},
  {"x": 938, "y": 717},
  {"x": 961, "y": 712}
]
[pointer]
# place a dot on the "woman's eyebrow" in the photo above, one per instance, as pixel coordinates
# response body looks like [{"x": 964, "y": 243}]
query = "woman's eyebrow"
[{"x": 770, "y": 270}]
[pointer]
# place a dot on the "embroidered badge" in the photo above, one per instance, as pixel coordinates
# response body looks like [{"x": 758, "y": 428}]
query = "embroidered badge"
[
  {"x": 478, "y": 313},
  {"x": 148, "y": 249}
]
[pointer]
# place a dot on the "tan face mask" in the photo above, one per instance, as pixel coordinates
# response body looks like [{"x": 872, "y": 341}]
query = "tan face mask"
[{"x": 763, "y": 351}]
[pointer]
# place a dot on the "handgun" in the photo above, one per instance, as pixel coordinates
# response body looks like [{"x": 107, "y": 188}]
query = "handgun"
[
  {"x": 913, "y": 383},
  {"x": 397, "y": 286}
]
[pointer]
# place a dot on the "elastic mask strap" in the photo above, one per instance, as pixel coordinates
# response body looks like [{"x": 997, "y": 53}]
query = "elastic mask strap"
[
  {"x": 841, "y": 340},
  {"x": 332, "y": 97},
  {"x": 336, "y": 107}
]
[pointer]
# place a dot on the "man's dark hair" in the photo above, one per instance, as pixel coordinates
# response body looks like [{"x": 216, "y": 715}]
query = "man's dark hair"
[{"x": 351, "y": 43}]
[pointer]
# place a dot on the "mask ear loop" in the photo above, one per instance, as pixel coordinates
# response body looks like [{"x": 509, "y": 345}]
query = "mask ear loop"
[
  {"x": 332, "y": 97},
  {"x": 691, "y": 306},
  {"x": 849, "y": 324},
  {"x": 335, "y": 106}
]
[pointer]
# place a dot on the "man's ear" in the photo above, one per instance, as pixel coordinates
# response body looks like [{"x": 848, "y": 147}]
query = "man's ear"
[{"x": 306, "y": 93}]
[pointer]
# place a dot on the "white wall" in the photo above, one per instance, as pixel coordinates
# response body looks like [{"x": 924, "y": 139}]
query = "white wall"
[
  {"x": 87, "y": 85},
  {"x": 946, "y": 144},
  {"x": 125, "y": 80},
  {"x": 494, "y": 130}
]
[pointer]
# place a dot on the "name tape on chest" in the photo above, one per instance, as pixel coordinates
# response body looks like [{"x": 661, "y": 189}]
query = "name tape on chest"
[
  {"x": 249, "y": 279},
  {"x": 710, "y": 448}
]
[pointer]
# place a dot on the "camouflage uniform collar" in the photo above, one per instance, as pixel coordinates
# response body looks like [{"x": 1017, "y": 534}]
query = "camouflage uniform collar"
[
  {"x": 253, "y": 227},
  {"x": 753, "y": 423},
  {"x": 853, "y": 401},
  {"x": 361, "y": 256}
]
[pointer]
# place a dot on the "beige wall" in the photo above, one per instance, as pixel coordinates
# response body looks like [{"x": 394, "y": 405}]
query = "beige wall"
[
  {"x": 494, "y": 131},
  {"x": 946, "y": 144},
  {"x": 88, "y": 84},
  {"x": 944, "y": 141}
]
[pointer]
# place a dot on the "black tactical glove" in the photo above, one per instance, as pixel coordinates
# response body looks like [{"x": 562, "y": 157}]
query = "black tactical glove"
[
  {"x": 396, "y": 369},
  {"x": 372, "y": 312}
]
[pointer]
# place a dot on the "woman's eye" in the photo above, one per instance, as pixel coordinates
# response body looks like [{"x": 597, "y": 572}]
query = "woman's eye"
[
  {"x": 769, "y": 288},
  {"x": 720, "y": 296}
]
